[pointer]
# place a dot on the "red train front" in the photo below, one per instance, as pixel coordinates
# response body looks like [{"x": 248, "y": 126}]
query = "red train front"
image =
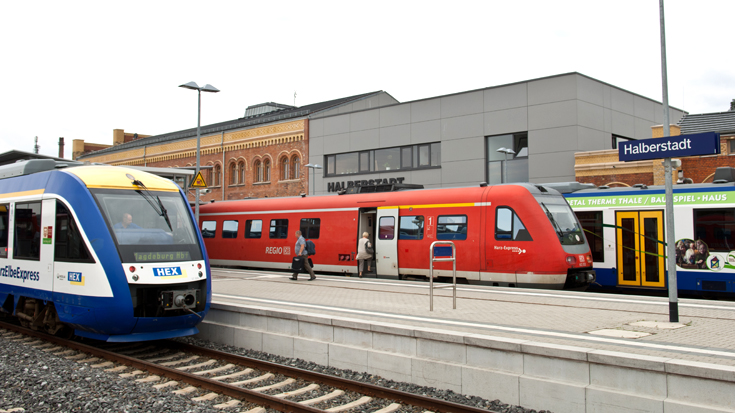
[{"x": 520, "y": 235}]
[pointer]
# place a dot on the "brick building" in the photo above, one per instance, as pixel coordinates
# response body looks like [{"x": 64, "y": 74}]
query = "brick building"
[
  {"x": 259, "y": 155},
  {"x": 603, "y": 167}
]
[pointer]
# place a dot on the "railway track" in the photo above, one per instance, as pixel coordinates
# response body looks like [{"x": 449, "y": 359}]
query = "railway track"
[{"x": 232, "y": 383}]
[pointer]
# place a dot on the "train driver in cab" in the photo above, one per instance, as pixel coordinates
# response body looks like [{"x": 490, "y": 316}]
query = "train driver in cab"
[{"x": 126, "y": 223}]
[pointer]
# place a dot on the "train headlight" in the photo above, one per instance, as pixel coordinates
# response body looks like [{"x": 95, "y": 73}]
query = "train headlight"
[
  {"x": 132, "y": 268},
  {"x": 571, "y": 259},
  {"x": 199, "y": 265},
  {"x": 135, "y": 277}
]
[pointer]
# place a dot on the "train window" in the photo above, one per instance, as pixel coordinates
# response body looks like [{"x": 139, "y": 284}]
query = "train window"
[
  {"x": 310, "y": 227},
  {"x": 716, "y": 227},
  {"x": 592, "y": 225},
  {"x": 451, "y": 227},
  {"x": 387, "y": 228},
  {"x": 69, "y": 245},
  {"x": 209, "y": 229},
  {"x": 253, "y": 228},
  {"x": 229, "y": 229},
  {"x": 3, "y": 230},
  {"x": 411, "y": 227},
  {"x": 508, "y": 226},
  {"x": 27, "y": 231},
  {"x": 279, "y": 229}
]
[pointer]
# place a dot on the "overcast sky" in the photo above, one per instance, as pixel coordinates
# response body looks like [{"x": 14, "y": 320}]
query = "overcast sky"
[{"x": 80, "y": 69}]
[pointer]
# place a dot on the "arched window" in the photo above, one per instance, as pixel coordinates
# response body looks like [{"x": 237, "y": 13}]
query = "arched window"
[
  {"x": 284, "y": 169},
  {"x": 267, "y": 170},
  {"x": 258, "y": 170},
  {"x": 233, "y": 173},
  {"x": 295, "y": 167},
  {"x": 241, "y": 172},
  {"x": 217, "y": 175}
]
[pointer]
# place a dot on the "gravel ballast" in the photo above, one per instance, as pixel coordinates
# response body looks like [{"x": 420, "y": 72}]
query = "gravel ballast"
[{"x": 37, "y": 381}]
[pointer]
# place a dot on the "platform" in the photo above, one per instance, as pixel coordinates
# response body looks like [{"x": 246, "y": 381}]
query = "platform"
[{"x": 556, "y": 350}]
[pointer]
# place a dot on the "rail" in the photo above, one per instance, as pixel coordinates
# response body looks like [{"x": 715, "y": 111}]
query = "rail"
[{"x": 433, "y": 259}]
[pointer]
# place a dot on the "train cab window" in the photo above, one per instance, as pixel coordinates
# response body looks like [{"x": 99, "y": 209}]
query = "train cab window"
[
  {"x": 411, "y": 227},
  {"x": 716, "y": 227},
  {"x": 229, "y": 229},
  {"x": 209, "y": 229},
  {"x": 69, "y": 245},
  {"x": 279, "y": 229},
  {"x": 310, "y": 227},
  {"x": 508, "y": 226},
  {"x": 452, "y": 227},
  {"x": 253, "y": 228},
  {"x": 4, "y": 230},
  {"x": 27, "y": 245},
  {"x": 386, "y": 228},
  {"x": 592, "y": 225}
]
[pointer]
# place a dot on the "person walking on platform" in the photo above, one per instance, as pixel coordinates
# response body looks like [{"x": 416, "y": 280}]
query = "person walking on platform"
[
  {"x": 301, "y": 252},
  {"x": 364, "y": 253}
]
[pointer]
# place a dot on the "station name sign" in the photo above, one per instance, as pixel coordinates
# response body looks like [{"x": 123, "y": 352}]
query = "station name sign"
[
  {"x": 336, "y": 186},
  {"x": 672, "y": 146}
]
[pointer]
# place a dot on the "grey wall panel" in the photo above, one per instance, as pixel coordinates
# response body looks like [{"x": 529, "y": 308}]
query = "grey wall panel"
[
  {"x": 462, "y": 127},
  {"x": 645, "y": 108},
  {"x": 429, "y": 131},
  {"x": 336, "y": 124},
  {"x": 590, "y": 115},
  {"x": 552, "y": 140},
  {"x": 461, "y": 149},
  {"x": 316, "y": 146},
  {"x": 506, "y": 97},
  {"x": 337, "y": 143},
  {"x": 622, "y": 101},
  {"x": 643, "y": 128},
  {"x": 386, "y": 99},
  {"x": 552, "y": 115},
  {"x": 395, "y": 115},
  {"x": 553, "y": 89},
  {"x": 591, "y": 91},
  {"x": 462, "y": 104},
  {"x": 592, "y": 139},
  {"x": 607, "y": 127},
  {"x": 425, "y": 110},
  {"x": 463, "y": 173},
  {"x": 363, "y": 140},
  {"x": 369, "y": 119},
  {"x": 548, "y": 167},
  {"x": 505, "y": 121},
  {"x": 316, "y": 127},
  {"x": 395, "y": 136},
  {"x": 427, "y": 177},
  {"x": 623, "y": 124}
]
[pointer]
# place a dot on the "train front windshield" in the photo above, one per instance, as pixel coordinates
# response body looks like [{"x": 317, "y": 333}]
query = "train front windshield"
[
  {"x": 563, "y": 220},
  {"x": 149, "y": 226}
]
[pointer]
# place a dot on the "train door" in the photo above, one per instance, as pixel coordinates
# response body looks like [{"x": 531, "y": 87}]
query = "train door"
[
  {"x": 367, "y": 224},
  {"x": 640, "y": 248},
  {"x": 386, "y": 243}
]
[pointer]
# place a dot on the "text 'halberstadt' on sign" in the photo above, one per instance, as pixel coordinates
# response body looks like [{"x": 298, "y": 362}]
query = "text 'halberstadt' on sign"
[{"x": 672, "y": 146}]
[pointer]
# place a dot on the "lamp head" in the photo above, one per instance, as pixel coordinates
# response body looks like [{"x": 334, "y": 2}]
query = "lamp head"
[{"x": 190, "y": 85}]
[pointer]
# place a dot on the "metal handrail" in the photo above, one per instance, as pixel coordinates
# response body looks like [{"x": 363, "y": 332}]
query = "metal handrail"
[{"x": 432, "y": 260}]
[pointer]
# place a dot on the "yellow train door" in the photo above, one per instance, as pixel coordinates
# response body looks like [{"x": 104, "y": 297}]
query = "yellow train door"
[{"x": 640, "y": 248}]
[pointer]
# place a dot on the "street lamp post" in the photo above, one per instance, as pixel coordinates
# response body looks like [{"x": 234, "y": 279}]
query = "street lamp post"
[
  {"x": 313, "y": 178},
  {"x": 205, "y": 88},
  {"x": 505, "y": 151}
]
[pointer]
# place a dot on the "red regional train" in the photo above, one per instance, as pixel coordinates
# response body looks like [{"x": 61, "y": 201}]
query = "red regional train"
[{"x": 516, "y": 235}]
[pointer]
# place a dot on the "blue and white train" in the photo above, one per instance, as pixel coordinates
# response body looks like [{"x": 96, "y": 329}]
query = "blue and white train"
[
  {"x": 105, "y": 252},
  {"x": 625, "y": 228}
]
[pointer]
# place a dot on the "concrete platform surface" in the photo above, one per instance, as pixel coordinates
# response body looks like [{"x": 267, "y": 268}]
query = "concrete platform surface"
[{"x": 619, "y": 323}]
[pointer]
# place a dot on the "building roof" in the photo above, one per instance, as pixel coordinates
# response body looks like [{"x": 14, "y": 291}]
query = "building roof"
[
  {"x": 720, "y": 122},
  {"x": 287, "y": 113}
]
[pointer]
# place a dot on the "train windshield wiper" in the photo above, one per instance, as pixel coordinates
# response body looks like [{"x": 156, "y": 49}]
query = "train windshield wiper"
[
  {"x": 157, "y": 206},
  {"x": 557, "y": 228}
]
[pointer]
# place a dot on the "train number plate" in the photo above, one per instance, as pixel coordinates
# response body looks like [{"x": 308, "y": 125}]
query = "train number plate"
[{"x": 167, "y": 272}]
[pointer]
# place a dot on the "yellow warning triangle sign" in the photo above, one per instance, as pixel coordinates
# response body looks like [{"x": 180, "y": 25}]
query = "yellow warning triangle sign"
[{"x": 198, "y": 181}]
